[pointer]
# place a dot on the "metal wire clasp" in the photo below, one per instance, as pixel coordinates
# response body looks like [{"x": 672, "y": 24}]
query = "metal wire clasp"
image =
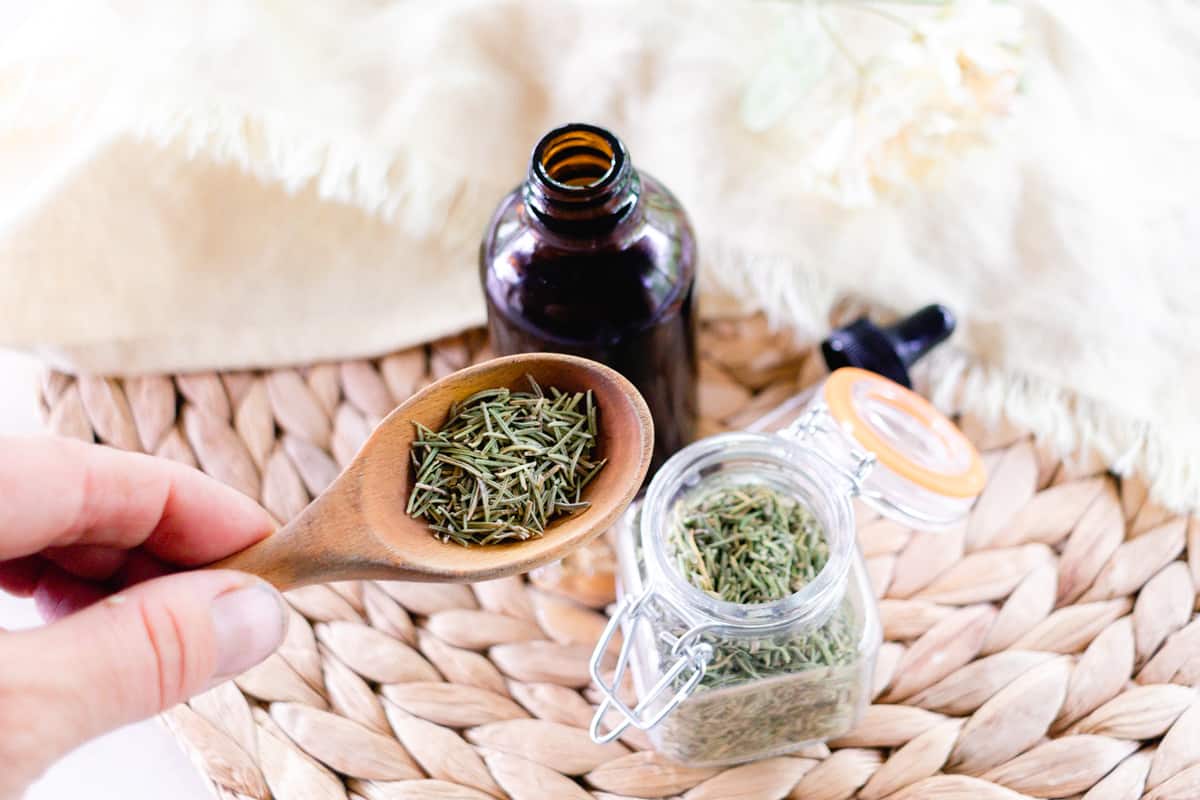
[
  {"x": 858, "y": 465},
  {"x": 689, "y": 651},
  {"x": 816, "y": 421}
]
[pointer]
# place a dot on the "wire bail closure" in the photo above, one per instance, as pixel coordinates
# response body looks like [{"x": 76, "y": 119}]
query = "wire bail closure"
[
  {"x": 690, "y": 652},
  {"x": 818, "y": 420}
]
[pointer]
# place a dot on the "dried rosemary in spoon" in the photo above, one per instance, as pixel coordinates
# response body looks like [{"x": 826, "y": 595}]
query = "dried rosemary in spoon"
[{"x": 505, "y": 465}]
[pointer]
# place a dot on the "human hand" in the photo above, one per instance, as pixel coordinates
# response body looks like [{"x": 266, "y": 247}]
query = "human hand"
[{"x": 93, "y": 535}]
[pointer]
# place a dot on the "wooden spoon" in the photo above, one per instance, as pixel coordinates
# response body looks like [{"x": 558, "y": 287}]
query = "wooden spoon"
[{"x": 358, "y": 528}]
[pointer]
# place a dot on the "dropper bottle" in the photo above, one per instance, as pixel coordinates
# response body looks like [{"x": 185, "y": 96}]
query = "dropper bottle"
[{"x": 887, "y": 350}]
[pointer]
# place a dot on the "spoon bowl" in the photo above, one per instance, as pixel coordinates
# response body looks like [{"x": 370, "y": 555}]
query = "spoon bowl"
[{"x": 358, "y": 527}]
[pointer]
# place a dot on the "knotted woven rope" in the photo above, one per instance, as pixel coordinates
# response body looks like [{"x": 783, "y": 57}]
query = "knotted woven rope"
[{"x": 1047, "y": 647}]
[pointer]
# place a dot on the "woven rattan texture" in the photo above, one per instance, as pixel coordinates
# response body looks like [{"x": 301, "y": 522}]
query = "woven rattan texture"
[{"x": 1045, "y": 648}]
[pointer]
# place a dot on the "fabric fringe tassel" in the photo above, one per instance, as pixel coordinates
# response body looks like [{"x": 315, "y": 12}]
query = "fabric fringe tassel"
[
  {"x": 425, "y": 199},
  {"x": 422, "y": 198},
  {"x": 1074, "y": 428}
]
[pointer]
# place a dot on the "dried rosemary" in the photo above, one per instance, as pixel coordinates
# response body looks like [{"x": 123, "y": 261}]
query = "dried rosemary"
[
  {"x": 748, "y": 544},
  {"x": 505, "y": 465},
  {"x": 763, "y": 691}
]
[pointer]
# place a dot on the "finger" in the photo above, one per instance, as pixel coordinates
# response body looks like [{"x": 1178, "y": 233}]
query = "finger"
[
  {"x": 94, "y": 562},
  {"x": 20, "y": 576},
  {"x": 140, "y": 567},
  {"x": 59, "y": 594},
  {"x": 132, "y": 655},
  {"x": 58, "y": 492}
]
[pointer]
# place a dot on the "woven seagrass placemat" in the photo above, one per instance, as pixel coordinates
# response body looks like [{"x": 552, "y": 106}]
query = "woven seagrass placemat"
[{"x": 1045, "y": 648}]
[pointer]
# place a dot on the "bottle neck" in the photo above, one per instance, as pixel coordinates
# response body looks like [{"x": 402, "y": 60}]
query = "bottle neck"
[{"x": 581, "y": 181}]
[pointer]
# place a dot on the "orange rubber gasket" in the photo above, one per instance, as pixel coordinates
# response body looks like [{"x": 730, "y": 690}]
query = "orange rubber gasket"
[{"x": 839, "y": 396}]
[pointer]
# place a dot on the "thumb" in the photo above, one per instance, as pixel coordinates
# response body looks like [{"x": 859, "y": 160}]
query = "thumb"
[{"x": 130, "y": 656}]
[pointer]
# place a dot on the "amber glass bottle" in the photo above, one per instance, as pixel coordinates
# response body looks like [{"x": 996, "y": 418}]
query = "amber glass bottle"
[{"x": 591, "y": 258}]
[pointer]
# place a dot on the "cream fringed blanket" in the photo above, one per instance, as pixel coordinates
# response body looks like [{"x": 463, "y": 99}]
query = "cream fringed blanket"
[{"x": 234, "y": 184}]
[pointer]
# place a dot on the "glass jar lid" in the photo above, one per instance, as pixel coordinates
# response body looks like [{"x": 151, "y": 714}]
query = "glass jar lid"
[
  {"x": 905, "y": 432},
  {"x": 901, "y": 455}
]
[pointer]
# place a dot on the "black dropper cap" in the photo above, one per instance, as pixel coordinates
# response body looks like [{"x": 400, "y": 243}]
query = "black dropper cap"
[{"x": 890, "y": 350}]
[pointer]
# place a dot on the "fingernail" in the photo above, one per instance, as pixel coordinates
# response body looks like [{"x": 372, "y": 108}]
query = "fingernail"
[{"x": 249, "y": 624}]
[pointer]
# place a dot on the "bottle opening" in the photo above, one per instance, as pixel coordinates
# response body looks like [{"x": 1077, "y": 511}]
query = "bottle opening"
[{"x": 578, "y": 157}]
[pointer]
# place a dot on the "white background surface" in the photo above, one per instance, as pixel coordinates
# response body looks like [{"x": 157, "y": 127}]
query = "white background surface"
[{"x": 140, "y": 762}]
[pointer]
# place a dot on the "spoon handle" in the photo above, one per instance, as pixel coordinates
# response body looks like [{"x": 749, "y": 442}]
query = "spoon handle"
[
  {"x": 279, "y": 560},
  {"x": 315, "y": 547}
]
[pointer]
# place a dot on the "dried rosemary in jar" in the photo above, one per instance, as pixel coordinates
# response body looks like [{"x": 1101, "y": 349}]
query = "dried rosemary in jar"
[
  {"x": 763, "y": 691},
  {"x": 505, "y": 465},
  {"x": 748, "y": 543}
]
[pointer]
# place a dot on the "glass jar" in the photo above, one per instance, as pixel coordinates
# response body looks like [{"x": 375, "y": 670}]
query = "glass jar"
[{"x": 720, "y": 682}]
